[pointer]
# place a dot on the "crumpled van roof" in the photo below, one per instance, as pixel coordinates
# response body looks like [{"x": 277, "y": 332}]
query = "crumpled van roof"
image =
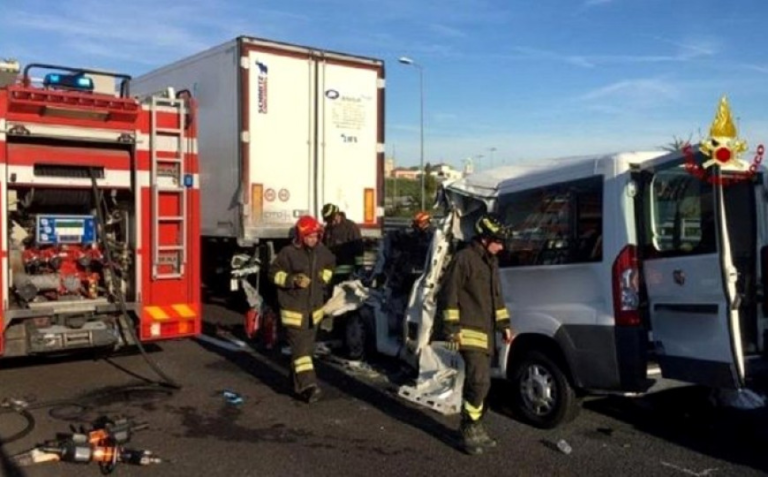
[{"x": 486, "y": 183}]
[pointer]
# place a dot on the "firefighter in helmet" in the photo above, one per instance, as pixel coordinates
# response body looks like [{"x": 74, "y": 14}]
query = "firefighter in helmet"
[
  {"x": 473, "y": 310},
  {"x": 344, "y": 239},
  {"x": 403, "y": 253},
  {"x": 302, "y": 271}
]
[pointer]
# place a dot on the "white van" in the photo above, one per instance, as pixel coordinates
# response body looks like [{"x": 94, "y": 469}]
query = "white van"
[{"x": 619, "y": 264}]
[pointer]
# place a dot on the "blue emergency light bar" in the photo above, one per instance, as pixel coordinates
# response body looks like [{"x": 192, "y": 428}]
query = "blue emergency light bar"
[{"x": 77, "y": 81}]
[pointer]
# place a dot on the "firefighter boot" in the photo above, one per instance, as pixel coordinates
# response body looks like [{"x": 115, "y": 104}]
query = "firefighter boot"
[
  {"x": 470, "y": 436},
  {"x": 485, "y": 440},
  {"x": 311, "y": 394}
]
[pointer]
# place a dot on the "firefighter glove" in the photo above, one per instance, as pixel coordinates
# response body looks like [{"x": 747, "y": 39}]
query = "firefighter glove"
[
  {"x": 453, "y": 342},
  {"x": 301, "y": 280}
]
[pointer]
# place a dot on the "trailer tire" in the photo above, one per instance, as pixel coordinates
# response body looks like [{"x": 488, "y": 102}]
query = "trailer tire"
[{"x": 542, "y": 394}]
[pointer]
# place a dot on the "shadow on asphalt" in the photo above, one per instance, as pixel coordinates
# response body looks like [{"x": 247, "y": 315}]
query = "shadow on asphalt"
[
  {"x": 75, "y": 356},
  {"x": 264, "y": 366},
  {"x": 8, "y": 467},
  {"x": 685, "y": 417}
]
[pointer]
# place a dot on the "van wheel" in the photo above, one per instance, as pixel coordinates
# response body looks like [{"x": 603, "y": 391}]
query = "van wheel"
[
  {"x": 354, "y": 336},
  {"x": 359, "y": 335},
  {"x": 541, "y": 392}
]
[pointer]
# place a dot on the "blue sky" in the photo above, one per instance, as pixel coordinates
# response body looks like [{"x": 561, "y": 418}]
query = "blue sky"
[{"x": 530, "y": 78}]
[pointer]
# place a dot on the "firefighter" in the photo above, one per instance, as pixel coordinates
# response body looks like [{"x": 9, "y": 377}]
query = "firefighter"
[
  {"x": 343, "y": 237},
  {"x": 301, "y": 272},
  {"x": 403, "y": 253},
  {"x": 473, "y": 310}
]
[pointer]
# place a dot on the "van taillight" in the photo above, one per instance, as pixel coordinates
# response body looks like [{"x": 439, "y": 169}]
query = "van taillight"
[{"x": 626, "y": 288}]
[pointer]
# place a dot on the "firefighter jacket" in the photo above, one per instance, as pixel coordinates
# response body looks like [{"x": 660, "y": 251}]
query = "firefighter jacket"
[
  {"x": 472, "y": 304},
  {"x": 302, "y": 307},
  {"x": 346, "y": 243}
]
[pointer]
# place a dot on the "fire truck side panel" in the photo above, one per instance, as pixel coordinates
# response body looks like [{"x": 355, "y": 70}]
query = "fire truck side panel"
[
  {"x": 171, "y": 305},
  {"x": 56, "y": 294},
  {"x": 3, "y": 227},
  {"x": 211, "y": 76}
]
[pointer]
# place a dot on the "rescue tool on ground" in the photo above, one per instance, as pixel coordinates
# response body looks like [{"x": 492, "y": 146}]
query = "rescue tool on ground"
[
  {"x": 103, "y": 444},
  {"x": 100, "y": 212}
]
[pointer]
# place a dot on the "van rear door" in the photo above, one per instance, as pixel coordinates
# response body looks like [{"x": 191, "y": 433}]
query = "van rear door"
[{"x": 689, "y": 276}]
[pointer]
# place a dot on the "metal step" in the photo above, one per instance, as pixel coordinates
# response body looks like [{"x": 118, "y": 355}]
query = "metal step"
[
  {"x": 170, "y": 248},
  {"x": 169, "y": 131}
]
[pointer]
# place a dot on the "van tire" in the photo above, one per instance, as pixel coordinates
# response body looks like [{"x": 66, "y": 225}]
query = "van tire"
[{"x": 530, "y": 376}]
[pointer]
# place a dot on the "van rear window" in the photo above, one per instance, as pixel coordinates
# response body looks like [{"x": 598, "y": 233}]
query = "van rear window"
[
  {"x": 554, "y": 225},
  {"x": 680, "y": 215}
]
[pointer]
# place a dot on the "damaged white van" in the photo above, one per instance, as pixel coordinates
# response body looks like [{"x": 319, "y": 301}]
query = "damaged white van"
[{"x": 617, "y": 265}]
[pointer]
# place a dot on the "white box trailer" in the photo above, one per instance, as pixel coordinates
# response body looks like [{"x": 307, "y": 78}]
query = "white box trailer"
[{"x": 283, "y": 129}]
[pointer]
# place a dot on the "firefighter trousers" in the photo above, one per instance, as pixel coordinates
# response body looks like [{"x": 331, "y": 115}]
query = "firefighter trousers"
[
  {"x": 302, "y": 343},
  {"x": 477, "y": 383}
]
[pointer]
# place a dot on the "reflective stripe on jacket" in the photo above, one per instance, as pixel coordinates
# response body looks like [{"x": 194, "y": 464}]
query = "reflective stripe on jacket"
[
  {"x": 471, "y": 299},
  {"x": 298, "y": 305}
]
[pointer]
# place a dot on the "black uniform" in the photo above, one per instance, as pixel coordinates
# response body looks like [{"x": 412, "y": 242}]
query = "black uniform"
[
  {"x": 405, "y": 253},
  {"x": 473, "y": 309},
  {"x": 345, "y": 241},
  {"x": 301, "y": 309}
]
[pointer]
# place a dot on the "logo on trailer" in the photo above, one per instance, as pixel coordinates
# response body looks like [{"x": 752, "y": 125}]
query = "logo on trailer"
[
  {"x": 284, "y": 195},
  {"x": 332, "y": 94},
  {"x": 722, "y": 148},
  {"x": 263, "y": 83},
  {"x": 269, "y": 195}
]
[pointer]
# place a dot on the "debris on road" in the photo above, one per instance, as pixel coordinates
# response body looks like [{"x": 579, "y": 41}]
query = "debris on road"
[
  {"x": 564, "y": 447},
  {"x": 233, "y": 397},
  {"x": 744, "y": 399},
  {"x": 229, "y": 345}
]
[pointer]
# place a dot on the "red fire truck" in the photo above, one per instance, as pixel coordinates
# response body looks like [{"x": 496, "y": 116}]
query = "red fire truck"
[{"x": 99, "y": 197}]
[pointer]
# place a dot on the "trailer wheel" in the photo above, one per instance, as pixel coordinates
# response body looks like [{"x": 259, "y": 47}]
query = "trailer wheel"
[{"x": 542, "y": 395}]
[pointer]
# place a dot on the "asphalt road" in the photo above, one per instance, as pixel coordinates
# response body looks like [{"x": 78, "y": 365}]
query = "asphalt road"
[{"x": 358, "y": 428}]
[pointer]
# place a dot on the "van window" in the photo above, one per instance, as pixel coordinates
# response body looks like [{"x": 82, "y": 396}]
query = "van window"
[
  {"x": 557, "y": 224},
  {"x": 680, "y": 214}
]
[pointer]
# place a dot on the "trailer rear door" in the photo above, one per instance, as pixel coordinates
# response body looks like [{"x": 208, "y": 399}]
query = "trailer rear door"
[
  {"x": 279, "y": 143},
  {"x": 348, "y": 156}
]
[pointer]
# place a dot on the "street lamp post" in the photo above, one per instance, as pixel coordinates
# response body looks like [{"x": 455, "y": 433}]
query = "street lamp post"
[
  {"x": 492, "y": 150},
  {"x": 408, "y": 61}
]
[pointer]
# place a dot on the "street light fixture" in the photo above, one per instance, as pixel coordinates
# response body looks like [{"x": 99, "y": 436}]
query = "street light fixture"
[{"x": 409, "y": 62}]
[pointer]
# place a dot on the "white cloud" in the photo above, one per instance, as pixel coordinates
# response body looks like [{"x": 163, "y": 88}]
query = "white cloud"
[
  {"x": 136, "y": 33},
  {"x": 447, "y": 31},
  {"x": 636, "y": 90},
  {"x": 686, "y": 51}
]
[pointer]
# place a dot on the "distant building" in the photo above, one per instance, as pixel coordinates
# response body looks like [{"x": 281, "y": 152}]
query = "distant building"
[
  {"x": 389, "y": 166},
  {"x": 402, "y": 173},
  {"x": 443, "y": 172}
]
